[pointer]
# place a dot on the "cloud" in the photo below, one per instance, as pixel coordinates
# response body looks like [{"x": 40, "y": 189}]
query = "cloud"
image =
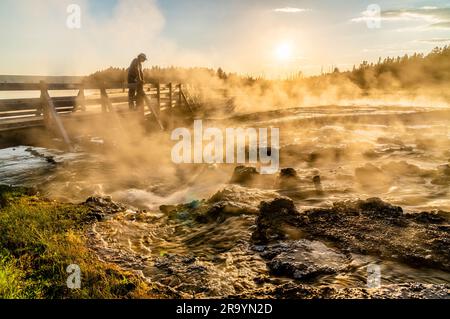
[
  {"x": 43, "y": 44},
  {"x": 435, "y": 40},
  {"x": 441, "y": 25},
  {"x": 291, "y": 10},
  {"x": 35, "y": 38},
  {"x": 429, "y": 8},
  {"x": 431, "y": 17}
]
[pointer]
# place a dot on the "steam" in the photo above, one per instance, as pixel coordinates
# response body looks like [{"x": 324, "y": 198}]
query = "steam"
[
  {"x": 54, "y": 49},
  {"x": 259, "y": 95},
  {"x": 137, "y": 160}
]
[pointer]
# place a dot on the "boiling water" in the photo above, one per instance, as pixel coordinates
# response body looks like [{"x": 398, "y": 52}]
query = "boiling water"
[{"x": 404, "y": 163}]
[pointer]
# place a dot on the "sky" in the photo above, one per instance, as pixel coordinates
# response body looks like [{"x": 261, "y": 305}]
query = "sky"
[{"x": 259, "y": 37}]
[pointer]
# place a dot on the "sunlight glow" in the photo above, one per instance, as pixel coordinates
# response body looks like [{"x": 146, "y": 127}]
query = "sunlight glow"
[{"x": 283, "y": 51}]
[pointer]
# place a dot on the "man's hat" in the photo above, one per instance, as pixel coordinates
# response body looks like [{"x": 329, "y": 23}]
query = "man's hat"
[{"x": 142, "y": 55}]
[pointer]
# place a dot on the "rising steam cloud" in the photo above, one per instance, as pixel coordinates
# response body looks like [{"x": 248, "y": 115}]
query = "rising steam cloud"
[{"x": 112, "y": 40}]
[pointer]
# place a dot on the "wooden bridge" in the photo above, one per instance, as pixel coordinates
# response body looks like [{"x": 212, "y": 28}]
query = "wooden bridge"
[{"x": 106, "y": 101}]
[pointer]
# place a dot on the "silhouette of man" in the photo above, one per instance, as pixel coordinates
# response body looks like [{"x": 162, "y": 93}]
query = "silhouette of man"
[{"x": 136, "y": 76}]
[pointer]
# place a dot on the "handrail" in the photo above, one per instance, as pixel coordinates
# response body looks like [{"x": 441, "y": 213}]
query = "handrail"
[
  {"x": 10, "y": 86},
  {"x": 63, "y": 86},
  {"x": 157, "y": 97}
]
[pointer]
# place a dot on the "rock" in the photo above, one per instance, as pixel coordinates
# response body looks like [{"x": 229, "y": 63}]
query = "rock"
[
  {"x": 304, "y": 259},
  {"x": 364, "y": 226},
  {"x": 378, "y": 228},
  {"x": 244, "y": 175},
  {"x": 219, "y": 212},
  {"x": 288, "y": 178},
  {"x": 288, "y": 172},
  {"x": 100, "y": 207},
  {"x": 375, "y": 207},
  {"x": 394, "y": 291},
  {"x": 251, "y": 197},
  {"x": 318, "y": 184},
  {"x": 277, "y": 220},
  {"x": 294, "y": 290},
  {"x": 48, "y": 158},
  {"x": 231, "y": 201},
  {"x": 429, "y": 217}
]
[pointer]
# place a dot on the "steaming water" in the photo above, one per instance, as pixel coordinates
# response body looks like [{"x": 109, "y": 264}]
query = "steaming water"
[{"x": 403, "y": 162}]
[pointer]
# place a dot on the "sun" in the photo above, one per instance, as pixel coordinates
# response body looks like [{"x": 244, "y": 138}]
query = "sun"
[{"x": 283, "y": 51}]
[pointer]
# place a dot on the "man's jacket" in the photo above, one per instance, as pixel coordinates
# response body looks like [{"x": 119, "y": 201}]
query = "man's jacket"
[{"x": 135, "y": 73}]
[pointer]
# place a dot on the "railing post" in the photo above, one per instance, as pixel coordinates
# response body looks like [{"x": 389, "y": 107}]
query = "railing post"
[
  {"x": 180, "y": 96},
  {"x": 51, "y": 115},
  {"x": 80, "y": 100},
  {"x": 106, "y": 103},
  {"x": 102, "y": 97},
  {"x": 170, "y": 109},
  {"x": 186, "y": 102},
  {"x": 44, "y": 105},
  {"x": 41, "y": 108},
  {"x": 155, "y": 110},
  {"x": 158, "y": 95},
  {"x": 170, "y": 97}
]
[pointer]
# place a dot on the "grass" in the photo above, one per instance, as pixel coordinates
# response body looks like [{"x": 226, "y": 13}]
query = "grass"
[
  {"x": 12, "y": 284},
  {"x": 39, "y": 238}
]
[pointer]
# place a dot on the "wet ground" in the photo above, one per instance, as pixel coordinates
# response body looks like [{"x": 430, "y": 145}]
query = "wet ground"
[{"x": 195, "y": 234}]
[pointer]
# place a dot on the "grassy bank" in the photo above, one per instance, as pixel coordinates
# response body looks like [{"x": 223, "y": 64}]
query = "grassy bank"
[{"x": 39, "y": 238}]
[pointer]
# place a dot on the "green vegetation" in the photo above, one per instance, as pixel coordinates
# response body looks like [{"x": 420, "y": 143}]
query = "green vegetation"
[{"x": 39, "y": 238}]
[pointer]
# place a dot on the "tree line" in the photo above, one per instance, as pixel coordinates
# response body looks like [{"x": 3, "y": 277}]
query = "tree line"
[{"x": 402, "y": 72}]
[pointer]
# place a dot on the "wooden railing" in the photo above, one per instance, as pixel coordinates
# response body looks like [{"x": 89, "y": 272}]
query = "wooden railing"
[
  {"x": 159, "y": 97},
  {"x": 47, "y": 111}
]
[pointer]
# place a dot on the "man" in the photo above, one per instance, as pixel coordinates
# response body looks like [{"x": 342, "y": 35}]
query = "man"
[{"x": 136, "y": 76}]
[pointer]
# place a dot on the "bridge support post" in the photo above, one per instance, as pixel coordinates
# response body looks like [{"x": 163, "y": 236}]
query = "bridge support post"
[
  {"x": 158, "y": 95},
  {"x": 180, "y": 96},
  {"x": 155, "y": 111},
  {"x": 106, "y": 103},
  {"x": 170, "y": 108},
  {"x": 80, "y": 103},
  {"x": 186, "y": 102},
  {"x": 51, "y": 118}
]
